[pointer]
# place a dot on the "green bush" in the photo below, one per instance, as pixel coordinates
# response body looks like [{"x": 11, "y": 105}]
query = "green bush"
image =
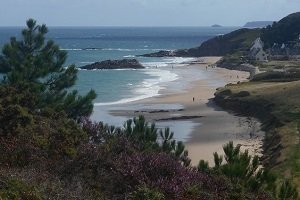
[
  {"x": 225, "y": 92},
  {"x": 145, "y": 193},
  {"x": 13, "y": 189},
  {"x": 242, "y": 94},
  {"x": 277, "y": 76}
]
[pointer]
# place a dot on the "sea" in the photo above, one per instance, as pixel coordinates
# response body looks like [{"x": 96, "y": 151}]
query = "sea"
[{"x": 86, "y": 45}]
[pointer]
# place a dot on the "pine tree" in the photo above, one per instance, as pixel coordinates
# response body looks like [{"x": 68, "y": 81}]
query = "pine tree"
[{"x": 40, "y": 62}]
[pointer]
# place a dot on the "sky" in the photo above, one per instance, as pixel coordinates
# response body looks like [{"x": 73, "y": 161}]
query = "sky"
[{"x": 144, "y": 12}]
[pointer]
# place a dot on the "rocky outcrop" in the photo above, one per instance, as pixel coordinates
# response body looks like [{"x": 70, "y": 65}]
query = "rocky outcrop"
[
  {"x": 115, "y": 64},
  {"x": 179, "y": 118}
]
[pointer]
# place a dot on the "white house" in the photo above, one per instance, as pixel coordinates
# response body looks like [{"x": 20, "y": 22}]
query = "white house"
[
  {"x": 257, "y": 51},
  {"x": 257, "y": 44}
]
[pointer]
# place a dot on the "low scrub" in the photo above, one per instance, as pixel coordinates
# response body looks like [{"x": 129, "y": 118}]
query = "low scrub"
[{"x": 277, "y": 76}]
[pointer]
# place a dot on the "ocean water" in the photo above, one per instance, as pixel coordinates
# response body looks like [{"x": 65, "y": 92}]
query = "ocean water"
[
  {"x": 120, "y": 89},
  {"x": 86, "y": 45}
]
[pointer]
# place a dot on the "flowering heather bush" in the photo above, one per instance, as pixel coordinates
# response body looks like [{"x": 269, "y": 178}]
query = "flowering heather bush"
[
  {"x": 15, "y": 152},
  {"x": 47, "y": 141},
  {"x": 122, "y": 162},
  {"x": 119, "y": 170},
  {"x": 159, "y": 170},
  {"x": 144, "y": 136},
  {"x": 98, "y": 132}
]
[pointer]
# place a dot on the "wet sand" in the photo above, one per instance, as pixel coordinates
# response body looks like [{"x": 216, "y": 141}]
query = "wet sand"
[{"x": 212, "y": 127}]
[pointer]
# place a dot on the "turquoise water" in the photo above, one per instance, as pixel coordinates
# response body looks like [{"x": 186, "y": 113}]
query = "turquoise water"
[
  {"x": 114, "y": 88},
  {"x": 90, "y": 44}
]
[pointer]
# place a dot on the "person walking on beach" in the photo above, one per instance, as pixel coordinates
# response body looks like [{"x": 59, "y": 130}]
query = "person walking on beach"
[{"x": 193, "y": 99}]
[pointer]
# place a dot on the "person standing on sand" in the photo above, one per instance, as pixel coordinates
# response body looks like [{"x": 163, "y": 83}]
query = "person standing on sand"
[{"x": 193, "y": 99}]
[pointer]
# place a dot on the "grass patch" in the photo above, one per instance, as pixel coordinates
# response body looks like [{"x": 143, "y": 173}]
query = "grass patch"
[
  {"x": 277, "y": 65},
  {"x": 282, "y": 100}
]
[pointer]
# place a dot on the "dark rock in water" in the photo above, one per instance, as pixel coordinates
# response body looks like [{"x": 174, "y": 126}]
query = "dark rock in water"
[
  {"x": 179, "y": 118},
  {"x": 115, "y": 64}
]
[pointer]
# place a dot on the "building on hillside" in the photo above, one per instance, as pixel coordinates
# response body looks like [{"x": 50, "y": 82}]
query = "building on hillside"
[
  {"x": 288, "y": 51},
  {"x": 279, "y": 52},
  {"x": 257, "y": 52}
]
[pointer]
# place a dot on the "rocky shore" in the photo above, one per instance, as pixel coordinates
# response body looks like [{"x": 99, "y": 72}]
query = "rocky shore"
[{"x": 115, "y": 64}]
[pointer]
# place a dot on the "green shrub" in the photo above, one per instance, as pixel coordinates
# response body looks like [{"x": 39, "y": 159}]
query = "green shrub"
[
  {"x": 225, "y": 92},
  {"x": 242, "y": 94},
  {"x": 277, "y": 76},
  {"x": 203, "y": 166},
  {"x": 287, "y": 191},
  {"x": 13, "y": 189},
  {"x": 145, "y": 193}
]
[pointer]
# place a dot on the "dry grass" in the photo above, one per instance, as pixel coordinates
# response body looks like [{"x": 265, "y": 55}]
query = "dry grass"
[{"x": 277, "y": 64}]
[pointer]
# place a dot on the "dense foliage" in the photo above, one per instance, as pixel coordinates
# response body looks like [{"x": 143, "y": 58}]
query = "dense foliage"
[
  {"x": 284, "y": 31},
  {"x": 39, "y": 62}
]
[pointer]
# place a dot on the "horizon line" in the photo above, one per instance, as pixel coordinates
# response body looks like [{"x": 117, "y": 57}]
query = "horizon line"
[{"x": 125, "y": 26}]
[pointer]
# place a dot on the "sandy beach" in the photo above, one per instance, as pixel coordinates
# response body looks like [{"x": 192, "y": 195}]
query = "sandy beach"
[{"x": 212, "y": 127}]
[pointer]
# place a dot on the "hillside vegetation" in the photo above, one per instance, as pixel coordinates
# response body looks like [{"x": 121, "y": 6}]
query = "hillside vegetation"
[
  {"x": 235, "y": 42},
  {"x": 277, "y": 105},
  {"x": 284, "y": 31},
  {"x": 273, "y": 97}
]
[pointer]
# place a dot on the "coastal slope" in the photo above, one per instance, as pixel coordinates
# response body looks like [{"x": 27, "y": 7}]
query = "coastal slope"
[{"x": 234, "y": 42}]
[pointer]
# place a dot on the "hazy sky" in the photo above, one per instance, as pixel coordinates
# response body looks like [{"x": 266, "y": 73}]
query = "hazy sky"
[{"x": 143, "y": 12}]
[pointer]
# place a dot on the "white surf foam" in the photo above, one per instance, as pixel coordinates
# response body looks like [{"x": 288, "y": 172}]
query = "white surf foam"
[
  {"x": 168, "y": 61},
  {"x": 151, "y": 87},
  {"x": 121, "y": 49},
  {"x": 71, "y": 49},
  {"x": 148, "y": 88},
  {"x": 129, "y": 56}
]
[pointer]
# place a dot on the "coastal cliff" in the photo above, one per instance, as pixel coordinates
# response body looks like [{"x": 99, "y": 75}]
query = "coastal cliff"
[{"x": 115, "y": 64}]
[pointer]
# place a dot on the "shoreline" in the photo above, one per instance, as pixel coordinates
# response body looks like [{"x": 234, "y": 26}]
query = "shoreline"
[{"x": 210, "y": 127}]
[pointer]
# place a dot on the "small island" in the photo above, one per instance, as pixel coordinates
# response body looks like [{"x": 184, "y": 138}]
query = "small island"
[
  {"x": 216, "y": 26},
  {"x": 115, "y": 64}
]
